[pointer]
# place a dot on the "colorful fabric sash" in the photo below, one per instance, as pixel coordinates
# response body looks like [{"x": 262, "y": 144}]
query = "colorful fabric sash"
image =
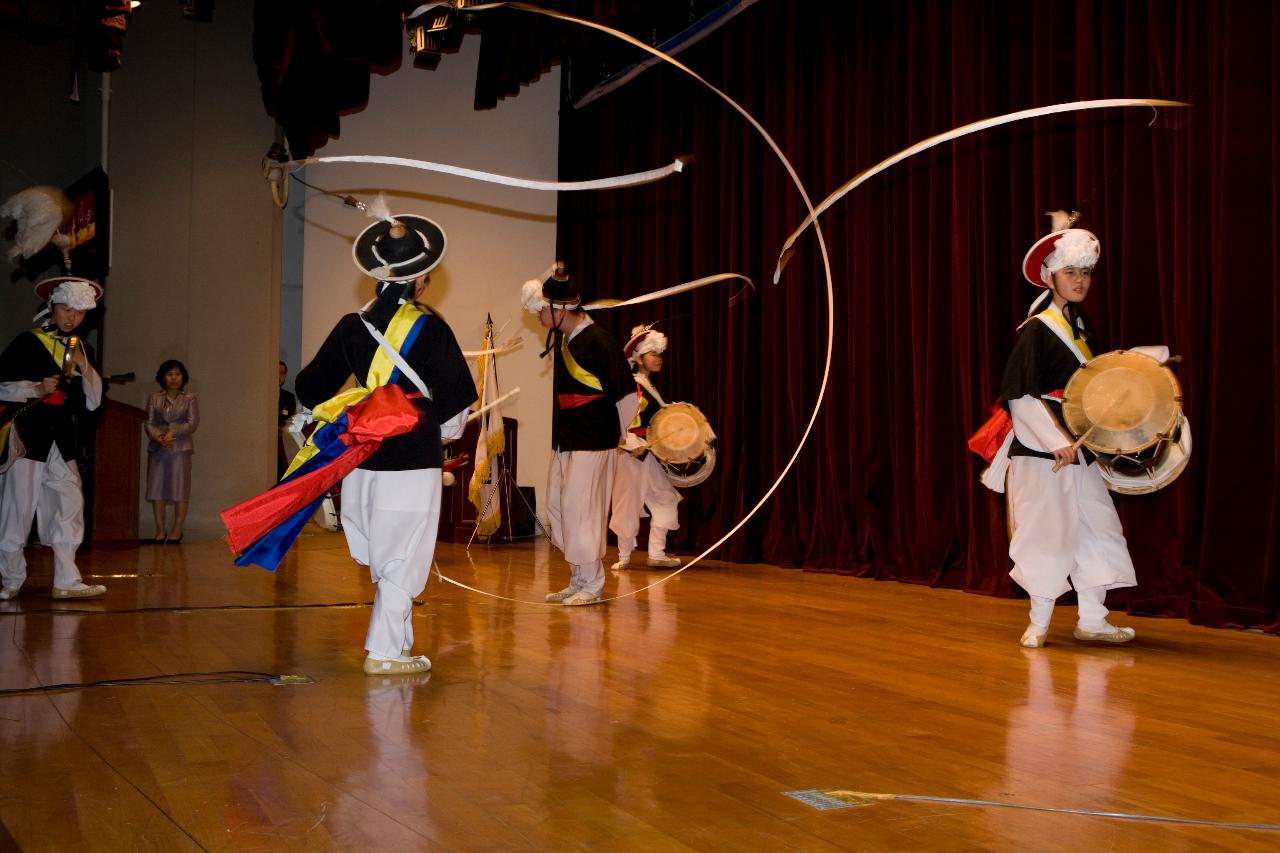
[
  {"x": 263, "y": 528},
  {"x": 354, "y": 424},
  {"x": 401, "y": 332}
]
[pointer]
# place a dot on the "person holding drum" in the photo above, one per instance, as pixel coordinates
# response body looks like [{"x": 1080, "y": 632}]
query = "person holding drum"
[
  {"x": 595, "y": 400},
  {"x": 1064, "y": 529},
  {"x": 641, "y": 482}
]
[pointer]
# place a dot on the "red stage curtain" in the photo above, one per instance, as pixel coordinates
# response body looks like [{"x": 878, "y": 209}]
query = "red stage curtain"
[{"x": 926, "y": 260}]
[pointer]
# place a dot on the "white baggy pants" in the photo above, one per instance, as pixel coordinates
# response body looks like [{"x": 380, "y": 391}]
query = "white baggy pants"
[
  {"x": 578, "y": 499},
  {"x": 639, "y": 484},
  {"x": 50, "y": 492},
  {"x": 1065, "y": 533},
  {"x": 390, "y": 519}
]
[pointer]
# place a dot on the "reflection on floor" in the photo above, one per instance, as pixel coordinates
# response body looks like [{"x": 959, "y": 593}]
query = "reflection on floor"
[{"x": 672, "y": 719}]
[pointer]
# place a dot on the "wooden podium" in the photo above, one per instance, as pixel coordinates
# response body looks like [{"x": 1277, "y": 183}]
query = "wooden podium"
[
  {"x": 117, "y": 455},
  {"x": 457, "y": 513}
]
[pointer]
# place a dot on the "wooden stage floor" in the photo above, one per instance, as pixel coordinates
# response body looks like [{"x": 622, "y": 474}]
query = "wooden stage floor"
[{"x": 673, "y": 720}]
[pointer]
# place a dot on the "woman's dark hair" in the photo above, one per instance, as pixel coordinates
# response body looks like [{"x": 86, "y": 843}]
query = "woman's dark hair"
[{"x": 168, "y": 365}]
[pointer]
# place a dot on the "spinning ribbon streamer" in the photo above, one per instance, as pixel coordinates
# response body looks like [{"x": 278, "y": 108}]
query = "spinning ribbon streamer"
[
  {"x": 963, "y": 130},
  {"x": 601, "y": 304},
  {"x": 822, "y": 247},
  {"x": 810, "y": 220},
  {"x": 631, "y": 180}
]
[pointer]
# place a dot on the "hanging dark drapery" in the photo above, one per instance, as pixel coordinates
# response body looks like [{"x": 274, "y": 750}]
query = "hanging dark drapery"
[{"x": 926, "y": 264}]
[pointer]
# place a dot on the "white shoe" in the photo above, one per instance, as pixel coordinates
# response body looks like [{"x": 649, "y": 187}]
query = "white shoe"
[
  {"x": 662, "y": 562},
  {"x": 399, "y": 666},
  {"x": 1110, "y": 634},
  {"x": 559, "y": 597},
  {"x": 1033, "y": 637},
  {"x": 9, "y": 592},
  {"x": 624, "y": 562},
  {"x": 582, "y": 597},
  {"x": 79, "y": 590}
]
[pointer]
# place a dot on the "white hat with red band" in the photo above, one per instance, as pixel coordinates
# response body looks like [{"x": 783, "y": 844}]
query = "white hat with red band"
[{"x": 1063, "y": 247}]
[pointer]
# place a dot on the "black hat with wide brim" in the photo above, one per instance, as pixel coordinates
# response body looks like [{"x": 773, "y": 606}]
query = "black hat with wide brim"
[{"x": 391, "y": 253}]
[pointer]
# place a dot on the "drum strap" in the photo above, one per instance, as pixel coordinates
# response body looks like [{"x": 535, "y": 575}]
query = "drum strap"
[{"x": 643, "y": 382}]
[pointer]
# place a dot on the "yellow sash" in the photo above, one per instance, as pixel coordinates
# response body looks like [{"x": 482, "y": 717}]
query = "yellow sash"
[
  {"x": 577, "y": 371},
  {"x": 52, "y": 344},
  {"x": 1061, "y": 322},
  {"x": 380, "y": 370}
]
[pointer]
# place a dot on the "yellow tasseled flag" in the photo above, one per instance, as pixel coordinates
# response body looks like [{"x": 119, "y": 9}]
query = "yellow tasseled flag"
[{"x": 483, "y": 489}]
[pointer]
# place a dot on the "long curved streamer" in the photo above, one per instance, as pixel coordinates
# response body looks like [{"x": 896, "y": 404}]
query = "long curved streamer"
[
  {"x": 963, "y": 130},
  {"x": 822, "y": 246},
  {"x": 632, "y": 180},
  {"x": 601, "y": 304}
]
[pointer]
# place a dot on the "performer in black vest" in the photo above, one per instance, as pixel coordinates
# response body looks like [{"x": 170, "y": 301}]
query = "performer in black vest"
[
  {"x": 594, "y": 400},
  {"x": 641, "y": 483},
  {"x": 391, "y": 502},
  {"x": 55, "y": 385}
]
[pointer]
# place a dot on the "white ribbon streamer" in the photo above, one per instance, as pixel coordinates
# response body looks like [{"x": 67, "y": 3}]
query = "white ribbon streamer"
[
  {"x": 601, "y": 304},
  {"x": 822, "y": 248},
  {"x": 963, "y": 130},
  {"x": 632, "y": 180}
]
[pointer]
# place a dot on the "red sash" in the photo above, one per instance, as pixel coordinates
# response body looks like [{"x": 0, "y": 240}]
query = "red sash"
[{"x": 573, "y": 401}]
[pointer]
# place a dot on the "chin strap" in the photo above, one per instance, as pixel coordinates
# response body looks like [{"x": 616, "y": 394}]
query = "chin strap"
[
  {"x": 553, "y": 335},
  {"x": 553, "y": 338}
]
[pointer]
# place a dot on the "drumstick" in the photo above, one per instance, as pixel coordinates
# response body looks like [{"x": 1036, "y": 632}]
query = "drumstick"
[
  {"x": 478, "y": 412},
  {"x": 1075, "y": 447}
]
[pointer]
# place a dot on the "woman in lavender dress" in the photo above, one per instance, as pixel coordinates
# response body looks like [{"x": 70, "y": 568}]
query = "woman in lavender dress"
[{"x": 172, "y": 416}]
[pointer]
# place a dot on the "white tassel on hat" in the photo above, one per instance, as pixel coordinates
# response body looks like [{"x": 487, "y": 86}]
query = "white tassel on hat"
[
  {"x": 1060, "y": 220},
  {"x": 531, "y": 296},
  {"x": 38, "y": 211},
  {"x": 379, "y": 209}
]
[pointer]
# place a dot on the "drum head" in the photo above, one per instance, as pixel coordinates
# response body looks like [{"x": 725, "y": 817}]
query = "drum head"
[
  {"x": 678, "y": 433},
  {"x": 1122, "y": 402}
]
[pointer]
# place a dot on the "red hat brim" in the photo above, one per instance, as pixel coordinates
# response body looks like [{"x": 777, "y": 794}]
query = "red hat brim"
[
  {"x": 633, "y": 343},
  {"x": 45, "y": 288},
  {"x": 1033, "y": 263}
]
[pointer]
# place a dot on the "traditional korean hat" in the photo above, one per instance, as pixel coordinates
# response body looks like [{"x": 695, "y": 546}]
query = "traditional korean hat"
[
  {"x": 1064, "y": 246},
  {"x": 400, "y": 248},
  {"x": 72, "y": 291},
  {"x": 644, "y": 339},
  {"x": 555, "y": 288}
]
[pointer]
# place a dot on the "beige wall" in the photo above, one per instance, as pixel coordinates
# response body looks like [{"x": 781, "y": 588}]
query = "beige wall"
[
  {"x": 497, "y": 236},
  {"x": 196, "y": 245}
]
